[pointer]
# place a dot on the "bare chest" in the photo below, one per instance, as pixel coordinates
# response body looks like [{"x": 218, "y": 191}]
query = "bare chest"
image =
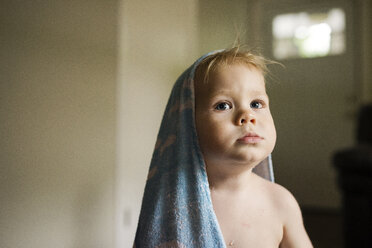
[{"x": 248, "y": 225}]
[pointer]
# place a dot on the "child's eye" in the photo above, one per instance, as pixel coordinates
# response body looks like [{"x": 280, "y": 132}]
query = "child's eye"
[
  {"x": 223, "y": 106},
  {"x": 256, "y": 104}
]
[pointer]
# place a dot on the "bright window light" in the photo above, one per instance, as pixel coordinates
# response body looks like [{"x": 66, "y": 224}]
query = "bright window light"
[{"x": 308, "y": 35}]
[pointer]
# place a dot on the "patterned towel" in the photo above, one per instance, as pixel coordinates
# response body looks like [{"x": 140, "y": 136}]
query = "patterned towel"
[{"x": 177, "y": 208}]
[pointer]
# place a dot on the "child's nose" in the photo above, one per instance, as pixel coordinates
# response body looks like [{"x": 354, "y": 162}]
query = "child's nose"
[{"x": 246, "y": 117}]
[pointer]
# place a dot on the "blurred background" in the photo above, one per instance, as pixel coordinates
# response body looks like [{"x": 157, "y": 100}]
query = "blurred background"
[{"x": 83, "y": 86}]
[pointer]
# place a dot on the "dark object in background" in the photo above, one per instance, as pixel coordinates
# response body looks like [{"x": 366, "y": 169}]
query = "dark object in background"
[
  {"x": 354, "y": 167},
  {"x": 364, "y": 133}
]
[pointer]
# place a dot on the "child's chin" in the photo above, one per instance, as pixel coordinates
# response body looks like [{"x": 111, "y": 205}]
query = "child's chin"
[{"x": 251, "y": 161}]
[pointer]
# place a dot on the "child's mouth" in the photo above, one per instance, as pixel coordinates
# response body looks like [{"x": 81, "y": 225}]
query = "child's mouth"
[{"x": 250, "y": 138}]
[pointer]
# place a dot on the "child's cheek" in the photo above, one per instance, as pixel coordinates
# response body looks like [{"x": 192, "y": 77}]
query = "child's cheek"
[{"x": 272, "y": 134}]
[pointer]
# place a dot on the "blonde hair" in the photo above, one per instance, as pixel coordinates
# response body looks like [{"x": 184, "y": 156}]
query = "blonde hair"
[{"x": 235, "y": 55}]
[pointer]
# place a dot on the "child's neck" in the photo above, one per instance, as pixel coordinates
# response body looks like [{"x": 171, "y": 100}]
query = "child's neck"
[{"x": 230, "y": 178}]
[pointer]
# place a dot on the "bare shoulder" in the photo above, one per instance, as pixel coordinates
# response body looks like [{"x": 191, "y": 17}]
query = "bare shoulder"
[
  {"x": 283, "y": 200},
  {"x": 280, "y": 196},
  {"x": 286, "y": 206}
]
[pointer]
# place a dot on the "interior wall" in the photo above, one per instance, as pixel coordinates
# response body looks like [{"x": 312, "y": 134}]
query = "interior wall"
[
  {"x": 364, "y": 11},
  {"x": 158, "y": 41},
  {"x": 222, "y": 23},
  {"x": 57, "y": 128}
]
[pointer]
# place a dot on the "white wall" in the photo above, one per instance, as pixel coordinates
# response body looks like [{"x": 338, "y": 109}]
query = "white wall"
[
  {"x": 57, "y": 128},
  {"x": 158, "y": 41}
]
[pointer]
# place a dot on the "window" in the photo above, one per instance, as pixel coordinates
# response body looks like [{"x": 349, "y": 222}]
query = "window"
[{"x": 308, "y": 35}]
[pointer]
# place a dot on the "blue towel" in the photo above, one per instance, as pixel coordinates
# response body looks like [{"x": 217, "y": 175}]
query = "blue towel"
[{"x": 177, "y": 208}]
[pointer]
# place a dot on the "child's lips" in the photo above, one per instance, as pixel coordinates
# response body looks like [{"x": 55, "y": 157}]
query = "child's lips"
[{"x": 250, "y": 138}]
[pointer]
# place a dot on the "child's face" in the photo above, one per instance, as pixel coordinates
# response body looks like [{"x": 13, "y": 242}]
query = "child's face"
[{"x": 233, "y": 119}]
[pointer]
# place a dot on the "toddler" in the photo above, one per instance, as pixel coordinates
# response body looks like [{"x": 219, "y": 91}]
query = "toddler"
[{"x": 201, "y": 191}]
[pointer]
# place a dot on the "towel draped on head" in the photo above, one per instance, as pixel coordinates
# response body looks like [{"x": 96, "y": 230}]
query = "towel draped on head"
[{"x": 177, "y": 209}]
